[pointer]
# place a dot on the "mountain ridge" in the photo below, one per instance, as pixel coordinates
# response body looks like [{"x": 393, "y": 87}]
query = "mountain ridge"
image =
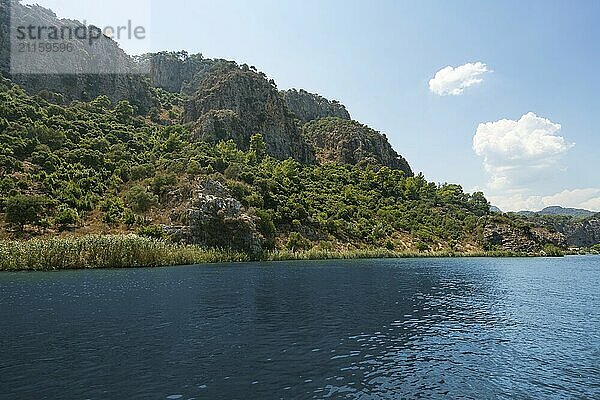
[{"x": 561, "y": 211}]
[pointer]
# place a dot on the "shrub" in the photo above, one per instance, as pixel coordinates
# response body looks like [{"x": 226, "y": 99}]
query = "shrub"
[
  {"x": 139, "y": 200},
  {"x": 551, "y": 250},
  {"x": 151, "y": 231},
  {"x": 66, "y": 216},
  {"x": 297, "y": 242},
  {"x": 421, "y": 246},
  {"x": 22, "y": 210}
]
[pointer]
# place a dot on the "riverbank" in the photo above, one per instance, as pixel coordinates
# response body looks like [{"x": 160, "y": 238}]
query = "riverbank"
[
  {"x": 130, "y": 251},
  {"x": 111, "y": 251}
]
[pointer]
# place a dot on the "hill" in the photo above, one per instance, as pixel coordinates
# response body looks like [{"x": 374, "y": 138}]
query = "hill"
[
  {"x": 97, "y": 167},
  {"x": 210, "y": 152},
  {"x": 560, "y": 211}
]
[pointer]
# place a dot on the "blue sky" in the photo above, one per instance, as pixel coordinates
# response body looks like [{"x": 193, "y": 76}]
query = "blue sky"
[{"x": 378, "y": 57}]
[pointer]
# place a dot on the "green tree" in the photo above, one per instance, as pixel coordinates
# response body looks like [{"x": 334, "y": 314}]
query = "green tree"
[
  {"x": 66, "y": 216},
  {"x": 479, "y": 204},
  {"x": 297, "y": 242},
  {"x": 258, "y": 148},
  {"x": 124, "y": 111},
  {"x": 140, "y": 200},
  {"x": 23, "y": 210}
]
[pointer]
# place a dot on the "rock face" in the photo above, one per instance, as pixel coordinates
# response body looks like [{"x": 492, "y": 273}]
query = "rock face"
[
  {"x": 215, "y": 219},
  {"x": 123, "y": 84},
  {"x": 178, "y": 72},
  {"x": 519, "y": 239},
  {"x": 582, "y": 233},
  {"x": 4, "y": 37},
  {"x": 237, "y": 102},
  {"x": 309, "y": 107},
  {"x": 84, "y": 87},
  {"x": 578, "y": 232},
  {"x": 337, "y": 140}
]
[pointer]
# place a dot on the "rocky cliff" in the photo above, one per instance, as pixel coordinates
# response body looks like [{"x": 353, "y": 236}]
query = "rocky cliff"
[
  {"x": 178, "y": 72},
  {"x": 577, "y": 232},
  {"x": 508, "y": 235},
  {"x": 584, "y": 233},
  {"x": 215, "y": 219},
  {"x": 349, "y": 142},
  {"x": 4, "y": 37},
  {"x": 236, "y": 102},
  {"x": 308, "y": 106},
  {"x": 101, "y": 69}
]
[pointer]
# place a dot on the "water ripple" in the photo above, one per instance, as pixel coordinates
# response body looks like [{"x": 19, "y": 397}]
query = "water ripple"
[{"x": 380, "y": 329}]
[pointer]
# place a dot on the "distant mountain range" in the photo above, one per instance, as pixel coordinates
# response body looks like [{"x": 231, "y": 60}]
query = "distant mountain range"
[
  {"x": 560, "y": 211},
  {"x": 554, "y": 210}
]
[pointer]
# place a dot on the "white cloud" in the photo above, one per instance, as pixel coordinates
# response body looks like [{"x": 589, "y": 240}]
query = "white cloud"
[
  {"x": 453, "y": 81},
  {"x": 588, "y": 199},
  {"x": 579, "y": 198},
  {"x": 517, "y": 153}
]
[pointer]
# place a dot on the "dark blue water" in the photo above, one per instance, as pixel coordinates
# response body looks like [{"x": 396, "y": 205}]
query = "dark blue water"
[{"x": 379, "y": 329}]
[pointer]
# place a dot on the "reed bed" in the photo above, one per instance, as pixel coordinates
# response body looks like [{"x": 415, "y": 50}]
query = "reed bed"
[
  {"x": 284, "y": 255},
  {"x": 98, "y": 251},
  {"x": 131, "y": 251}
]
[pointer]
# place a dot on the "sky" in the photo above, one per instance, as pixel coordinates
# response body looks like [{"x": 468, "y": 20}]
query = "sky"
[{"x": 500, "y": 97}]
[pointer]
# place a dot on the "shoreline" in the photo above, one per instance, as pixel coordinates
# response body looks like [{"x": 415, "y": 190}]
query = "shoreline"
[{"x": 132, "y": 251}]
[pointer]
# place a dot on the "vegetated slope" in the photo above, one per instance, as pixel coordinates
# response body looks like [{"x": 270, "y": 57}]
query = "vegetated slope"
[
  {"x": 108, "y": 153},
  {"x": 96, "y": 167},
  {"x": 220, "y": 99},
  {"x": 349, "y": 142}
]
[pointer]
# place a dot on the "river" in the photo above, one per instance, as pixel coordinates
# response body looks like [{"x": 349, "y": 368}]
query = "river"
[{"x": 360, "y": 329}]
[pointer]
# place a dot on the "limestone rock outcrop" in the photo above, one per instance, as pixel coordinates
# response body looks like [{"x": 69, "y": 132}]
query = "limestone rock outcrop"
[
  {"x": 101, "y": 69},
  {"x": 581, "y": 232},
  {"x": 178, "y": 72},
  {"x": 520, "y": 239},
  {"x": 237, "y": 102},
  {"x": 337, "y": 140},
  {"x": 309, "y": 107},
  {"x": 215, "y": 219}
]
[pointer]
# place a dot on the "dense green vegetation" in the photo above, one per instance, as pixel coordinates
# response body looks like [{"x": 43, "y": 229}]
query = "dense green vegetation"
[
  {"x": 99, "y": 167},
  {"x": 552, "y": 251}
]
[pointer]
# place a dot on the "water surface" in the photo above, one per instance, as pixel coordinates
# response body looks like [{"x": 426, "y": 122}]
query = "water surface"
[{"x": 376, "y": 329}]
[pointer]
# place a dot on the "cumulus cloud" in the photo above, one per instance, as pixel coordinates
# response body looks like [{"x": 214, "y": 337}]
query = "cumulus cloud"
[
  {"x": 453, "y": 81},
  {"x": 588, "y": 199},
  {"x": 516, "y": 153}
]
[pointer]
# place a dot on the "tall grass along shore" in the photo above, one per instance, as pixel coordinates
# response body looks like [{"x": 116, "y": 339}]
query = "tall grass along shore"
[
  {"x": 105, "y": 252},
  {"x": 130, "y": 251}
]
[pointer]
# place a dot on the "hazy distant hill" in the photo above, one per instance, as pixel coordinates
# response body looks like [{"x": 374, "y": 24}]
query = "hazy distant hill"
[{"x": 561, "y": 211}]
